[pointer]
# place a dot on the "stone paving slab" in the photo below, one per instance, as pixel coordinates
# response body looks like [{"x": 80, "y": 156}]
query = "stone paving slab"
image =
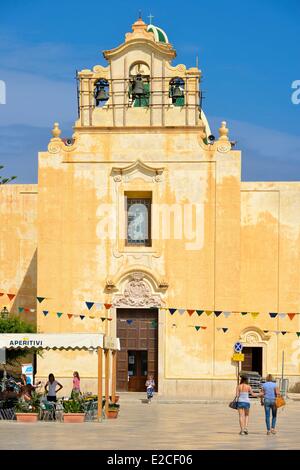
[{"x": 159, "y": 426}]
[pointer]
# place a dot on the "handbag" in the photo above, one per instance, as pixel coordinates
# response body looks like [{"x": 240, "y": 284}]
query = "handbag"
[
  {"x": 234, "y": 404},
  {"x": 279, "y": 401}
]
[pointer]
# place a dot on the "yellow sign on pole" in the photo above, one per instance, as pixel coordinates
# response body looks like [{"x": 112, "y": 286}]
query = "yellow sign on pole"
[{"x": 238, "y": 357}]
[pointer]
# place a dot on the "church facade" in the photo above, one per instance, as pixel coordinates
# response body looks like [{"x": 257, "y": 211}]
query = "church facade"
[{"x": 141, "y": 227}]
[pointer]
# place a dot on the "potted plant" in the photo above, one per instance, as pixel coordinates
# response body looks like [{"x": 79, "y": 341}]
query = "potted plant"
[
  {"x": 28, "y": 411},
  {"x": 113, "y": 410},
  {"x": 74, "y": 410}
]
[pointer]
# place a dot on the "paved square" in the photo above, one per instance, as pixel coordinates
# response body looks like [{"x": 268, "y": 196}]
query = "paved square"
[{"x": 159, "y": 426}]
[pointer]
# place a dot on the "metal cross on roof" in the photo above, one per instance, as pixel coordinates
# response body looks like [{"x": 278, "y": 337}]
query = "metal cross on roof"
[{"x": 150, "y": 18}]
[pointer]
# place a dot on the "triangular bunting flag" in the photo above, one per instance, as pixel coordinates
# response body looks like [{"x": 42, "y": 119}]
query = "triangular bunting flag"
[
  {"x": 190, "y": 312},
  {"x": 226, "y": 314},
  {"x": 266, "y": 331},
  {"x": 254, "y": 314},
  {"x": 89, "y": 304},
  {"x": 11, "y": 296},
  {"x": 217, "y": 313},
  {"x": 219, "y": 329},
  {"x": 197, "y": 328},
  {"x": 199, "y": 312},
  {"x": 20, "y": 309},
  {"x": 70, "y": 315},
  {"x": 208, "y": 312},
  {"x": 40, "y": 299},
  {"x": 32, "y": 309},
  {"x": 129, "y": 322},
  {"x": 283, "y": 332},
  {"x": 82, "y": 317},
  {"x": 181, "y": 311},
  {"x": 291, "y": 315},
  {"x": 203, "y": 327},
  {"x": 273, "y": 314},
  {"x": 107, "y": 306},
  {"x": 277, "y": 332},
  {"x": 225, "y": 329},
  {"x": 172, "y": 310},
  {"x": 109, "y": 319},
  {"x": 244, "y": 313},
  {"x": 59, "y": 314},
  {"x": 103, "y": 318},
  {"x": 92, "y": 317},
  {"x": 154, "y": 324},
  {"x": 99, "y": 305},
  {"x": 26, "y": 309},
  {"x": 45, "y": 312},
  {"x": 1, "y": 293},
  {"x": 298, "y": 333},
  {"x": 282, "y": 315}
]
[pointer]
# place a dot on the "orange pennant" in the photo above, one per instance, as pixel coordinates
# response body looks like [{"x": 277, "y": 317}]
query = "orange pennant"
[
  {"x": 70, "y": 315},
  {"x": 11, "y": 296},
  {"x": 203, "y": 327},
  {"x": 190, "y": 312},
  {"x": 291, "y": 315},
  {"x": 107, "y": 306}
]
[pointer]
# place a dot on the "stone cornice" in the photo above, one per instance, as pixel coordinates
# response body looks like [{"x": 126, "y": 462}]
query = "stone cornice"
[{"x": 165, "y": 50}]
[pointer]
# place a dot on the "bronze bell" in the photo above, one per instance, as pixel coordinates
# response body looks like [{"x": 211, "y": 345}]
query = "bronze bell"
[
  {"x": 177, "y": 91},
  {"x": 101, "y": 94},
  {"x": 138, "y": 86}
]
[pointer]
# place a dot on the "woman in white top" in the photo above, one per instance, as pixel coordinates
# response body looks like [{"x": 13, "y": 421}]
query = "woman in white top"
[
  {"x": 50, "y": 388},
  {"x": 243, "y": 403}
]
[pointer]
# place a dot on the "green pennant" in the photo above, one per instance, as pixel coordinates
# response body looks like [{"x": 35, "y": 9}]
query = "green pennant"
[
  {"x": 225, "y": 330},
  {"x": 59, "y": 314},
  {"x": 298, "y": 333},
  {"x": 40, "y": 299},
  {"x": 20, "y": 309},
  {"x": 244, "y": 313},
  {"x": 82, "y": 317},
  {"x": 103, "y": 318},
  {"x": 197, "y": 328},
  {"x": 154, "y": 324},
  {"x": 199, "y": 312}
]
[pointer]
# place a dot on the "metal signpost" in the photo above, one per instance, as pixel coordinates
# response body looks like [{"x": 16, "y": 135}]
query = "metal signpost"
[{"x": 238, "y": 357}]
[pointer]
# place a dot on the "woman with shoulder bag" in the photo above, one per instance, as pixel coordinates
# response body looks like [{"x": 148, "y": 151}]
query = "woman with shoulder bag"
[
  {"x": 243, "y": 403},
  {"x": 270, "y": 392}
]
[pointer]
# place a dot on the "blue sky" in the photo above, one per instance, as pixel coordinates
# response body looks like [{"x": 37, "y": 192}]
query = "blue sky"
[{"x": 248, "y": 53}]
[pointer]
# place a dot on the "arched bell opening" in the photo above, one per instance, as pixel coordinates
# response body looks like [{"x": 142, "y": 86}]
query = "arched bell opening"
[
  {"x": 139, "y": 85},
  {"x": 177, "y": 91},
  {"x": 101, "y": 92}
]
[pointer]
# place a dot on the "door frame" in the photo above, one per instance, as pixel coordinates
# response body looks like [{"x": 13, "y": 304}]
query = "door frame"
[{"x": 160, "y": 360}]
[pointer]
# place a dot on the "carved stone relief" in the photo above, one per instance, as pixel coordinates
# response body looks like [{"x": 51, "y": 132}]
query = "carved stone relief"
[{"x": 137, "y": 293}]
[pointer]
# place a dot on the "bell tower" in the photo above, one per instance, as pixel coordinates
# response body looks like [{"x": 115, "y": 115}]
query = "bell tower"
[{"x": 139, "y": 87}]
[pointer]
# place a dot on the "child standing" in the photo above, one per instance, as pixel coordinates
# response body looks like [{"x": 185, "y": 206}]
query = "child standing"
[{"x": 150, "y": 384}]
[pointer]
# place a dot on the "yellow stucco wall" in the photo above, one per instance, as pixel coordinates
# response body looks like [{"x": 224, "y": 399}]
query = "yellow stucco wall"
[{"x": 18, "y": 246}]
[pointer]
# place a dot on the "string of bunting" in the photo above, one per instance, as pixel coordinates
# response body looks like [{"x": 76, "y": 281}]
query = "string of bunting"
[
  {"x": 227, "y": 314},
  {"x": 12, "y": 296},
  {"x": 71, "y": 315}
]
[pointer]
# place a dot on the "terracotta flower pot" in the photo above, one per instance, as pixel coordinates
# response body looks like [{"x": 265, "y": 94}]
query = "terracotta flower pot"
[
  {"x": 74, "y": 417},
  {"x": 112, "y": 414},
  {"x": 27, "y": 417}
]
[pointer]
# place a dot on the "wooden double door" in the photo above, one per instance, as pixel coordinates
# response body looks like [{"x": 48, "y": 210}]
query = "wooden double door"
[{"x": 138, "y": 357}]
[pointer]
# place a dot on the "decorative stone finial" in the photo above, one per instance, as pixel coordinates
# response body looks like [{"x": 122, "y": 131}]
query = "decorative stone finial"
[
  {"x": 139, "y": 26},
  {"x": 223, "y": 131},
  {"x": 56, "y": 131}
]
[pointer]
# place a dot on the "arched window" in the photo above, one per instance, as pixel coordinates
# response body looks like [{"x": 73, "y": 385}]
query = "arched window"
[
  {"x": 101, "y": 92},
  {"x": 176, "y": 91},
  {"x": 139, "y": 85}
]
